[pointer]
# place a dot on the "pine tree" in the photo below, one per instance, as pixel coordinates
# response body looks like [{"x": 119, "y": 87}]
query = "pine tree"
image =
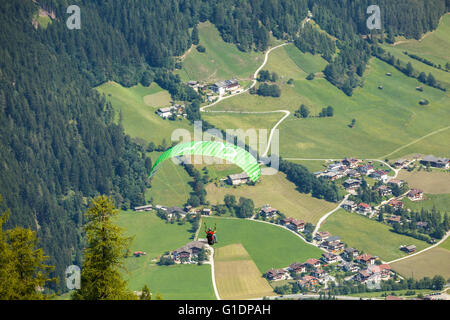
[
  {"x": 145, "y": 294},
  {"x": 23, "y": 273},
  {"x": 194, "y": 36},
  {"x": 103, "y": 256}
]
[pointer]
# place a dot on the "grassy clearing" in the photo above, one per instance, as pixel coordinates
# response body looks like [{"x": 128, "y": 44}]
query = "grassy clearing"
[
  {"x": 427, "y": 264},
  {"x": 237, "y": 276},
  {"x": 269, "y": 246},
  {"x": 220, "y": 61},
  {"x": 283, "y": 196},
  {"x": 377, "y": 131},
  {"x": 311, "y": 165},
  {"x": 152, "y": 235},
  {"x": 219, "y": 171},
  {"x": 435, "y": 182},
  {"x": 440, "y": 201},
  {"x": 434, "y": 46},
  {"x": 368, "y": 235},
  {"x": 170, "y": 185},
  {"x": 176, "y": 282},
  {"x": 445, "y": 244},
  {"x": 243, "y": 121},
  {"x": 385, "y": 119},
  {"x": 139, "y": 119},
  {"x": 434, "y": 144},
  {"x": 155, "y": 237}
]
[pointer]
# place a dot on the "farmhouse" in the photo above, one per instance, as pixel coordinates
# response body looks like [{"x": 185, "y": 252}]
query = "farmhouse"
[
  {"x": 187, "y": 252},
  {"x": 350, "y": 266},
  {"x": 176, "y": 210},
  {"x": 268, "y": 212},
  {"x": 349, "y": 205},
  {"x": 400, "y": 162},
  {"x": 319, "y": 273},
  {"x": 415, "y": 195},
  {"x": 331, "y": 175},
  {"x": 351, "y": 163},
  {"x": 409, "y": 249},
  {"x": 206, "y": 211},
  {"x": 238, "y": 179},
  {"x": 396, "y": 204},
  {"x": 222, "y": 86},
  {"x": 147, "y": 207},
  {"x": 350, "y": 253},
  {"x": 164, "y": 112},
  {"x": 322, "y": 235},
  {"x": 352, "y": 184},
  {"x": 365, "y": 169},
  {"x": 277, "y": 274},
  {"x": 353, "y": 173},
  {"x": 308, "y": 282},
  {"x": 436, "y": 162},
  {"x": 297, "y": 267},
  {"x": 366, "y": 259},
  {"x": 384, "y": 190},
  {"x": 314, "y": 263},
  {"x": 329, "y": 257},
  {"x": 364, "y": 208},
  {"x": 297, "y": 225},
  {"x": 379, "y": 175},
  {"x": 394, "y": 219}
]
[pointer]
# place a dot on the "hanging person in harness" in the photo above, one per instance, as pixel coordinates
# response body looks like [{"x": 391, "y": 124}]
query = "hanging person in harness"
[{"x": 211, "y": 235}]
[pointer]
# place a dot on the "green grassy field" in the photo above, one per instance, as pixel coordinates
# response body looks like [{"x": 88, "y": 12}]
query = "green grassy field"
[
  {"x": 220, "y": 61},
  {"x": 154, "y": 236},
  {"x": 170, "y": 185},
  {"x": 219, "y": 171},
  {"x": 385, "y": 119},
  {"x": 269, "y": 246},
  {"x": 283, "y": 196},
  {"x": 434, "y": 46},
  {"x": 427, "y": 264},
  {"x": 312, "y": 165},
  {"x": 434, "y": 182},
  {"x": 176, "y": 282},
  {"x": 445, "y": 244},
  {"x": 138, "y": 105},
  {"x": 243, "y": 121},
  {"x": 237, "y": 276},
  {"x": 368, "y": 235},
  {"x": 440, "y": 201}
]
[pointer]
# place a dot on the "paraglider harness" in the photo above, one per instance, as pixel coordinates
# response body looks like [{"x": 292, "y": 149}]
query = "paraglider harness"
[{"x": 210, "y": 235}]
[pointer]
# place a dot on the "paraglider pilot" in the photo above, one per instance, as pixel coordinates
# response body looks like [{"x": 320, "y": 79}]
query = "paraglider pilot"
[{"x": 211, "y": 235}]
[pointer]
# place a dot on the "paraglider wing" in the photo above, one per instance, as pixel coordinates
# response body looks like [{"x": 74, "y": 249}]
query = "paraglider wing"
[{"x": 226, "y": 151}]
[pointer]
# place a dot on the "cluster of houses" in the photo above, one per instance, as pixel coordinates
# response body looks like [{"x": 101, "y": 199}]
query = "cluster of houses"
[
  {"x": 220, "y": 88},
  {"x": 310, "y": 274},
  {"x": 384, "y": 190},
  {"x": 176, "y": 110},
  {"x": 172, "y": 212},
  {"x": 353, "y": 169}
]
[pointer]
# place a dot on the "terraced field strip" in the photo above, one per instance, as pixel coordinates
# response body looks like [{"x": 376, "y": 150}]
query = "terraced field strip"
[{"x": 237, "y": 276}]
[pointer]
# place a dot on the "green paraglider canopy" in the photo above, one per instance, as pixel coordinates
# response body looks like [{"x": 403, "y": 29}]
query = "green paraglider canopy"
[{"x": 226, "y": 151}]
